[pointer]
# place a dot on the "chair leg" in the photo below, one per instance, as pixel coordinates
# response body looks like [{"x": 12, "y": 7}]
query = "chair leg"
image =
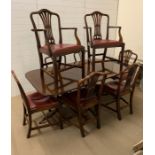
[
  {"x": 103, "y": 58},
  {"x": 30, "y": 126},
  {"x": 93, "y": 60},
  {"x": 122, "y": 57},
  {"x": 55, "y": 68},
  {"x": 60, "y": 117},
  {"x": 24, "y": 115},
  {"x": 83, "y": 63},
  {"x": 118, "y": 109},
  {"x": 131, "y": 100},
  {"x": 97, "y": 108},
  {"x": 88, "y": 69},
  {"x": 81, "y": 125}
]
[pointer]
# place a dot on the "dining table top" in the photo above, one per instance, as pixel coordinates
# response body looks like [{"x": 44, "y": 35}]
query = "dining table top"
[{"x": 43, "y": 80}]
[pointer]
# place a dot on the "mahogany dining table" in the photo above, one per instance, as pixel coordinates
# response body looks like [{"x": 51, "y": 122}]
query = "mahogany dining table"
[{"x": 43, "y": 81}]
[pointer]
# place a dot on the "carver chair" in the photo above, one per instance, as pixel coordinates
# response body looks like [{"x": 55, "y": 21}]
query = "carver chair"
[
  {"x": 97, "y": 41},
  {"x": 117, "y": 88},
  {"x": 34, "y": 103},
  {"x": 85, "y": 98},
  {"x": 53, "y": 47},
  {"x": 129, "y": 57}
]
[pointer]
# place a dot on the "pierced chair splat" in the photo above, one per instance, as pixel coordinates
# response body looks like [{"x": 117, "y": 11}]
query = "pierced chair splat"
[
  {"x": 129, "y": 57},
  {"x": 96, "y": 41}
]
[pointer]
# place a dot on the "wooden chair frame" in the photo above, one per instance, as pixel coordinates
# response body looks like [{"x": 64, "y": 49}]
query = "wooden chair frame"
[
  {"x": 97, "y": 16},
  {"x": 127, "y": 79},
  {"x": 46, "y": 17},
  {"x": 86, "y": 93},
  {"x": 28, "y": 112}
]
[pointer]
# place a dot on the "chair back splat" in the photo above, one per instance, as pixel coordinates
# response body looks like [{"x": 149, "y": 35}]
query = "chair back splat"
[
  {"x": 129, "y": 57},
  {"x": 46, "y": 17}
]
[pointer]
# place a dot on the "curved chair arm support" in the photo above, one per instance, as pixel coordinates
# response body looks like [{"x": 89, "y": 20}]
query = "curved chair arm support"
[
  {"x": 90, "y": 75},
  {"x": 119, "y": 32},
  {"x": 75, "y": 33}
]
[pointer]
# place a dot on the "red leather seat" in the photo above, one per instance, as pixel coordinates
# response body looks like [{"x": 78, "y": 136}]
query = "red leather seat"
[
  {"x": 39, "y": 102},
  {"x": 61, "y": 49},
  {"x": 99, "y": 43}
]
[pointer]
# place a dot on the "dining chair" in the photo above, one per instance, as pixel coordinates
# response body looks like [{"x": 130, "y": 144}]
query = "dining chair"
[
  {"x": 53, "y": 50},
  {"x": 34, "y": 103},
  {"x": 117, "y": 88},
  {"x": 129, "y": 57},
  {"x": 85, "y": 98},
  {"x": 96, "y": 39}
]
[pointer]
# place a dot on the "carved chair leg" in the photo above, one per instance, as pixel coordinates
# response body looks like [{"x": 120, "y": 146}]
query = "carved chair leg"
[
  {"x": 41, "y": 61},
  {"x": 83, "y": 63},
  {"x": 93, "y": 60},
  {"x": 118, "y": 109},
  {"x": 24, "y": 115},
  {"x": 59, "y": 62},
  {"x": 131, "y": 100},
  {"x": 97, "y": 108},
  {"x": 55, "y": 68},
  {"x": 122, "y": 57},
  {"x": 81, "y": 124},
  {"x": 103, "y": 58},
  {"x": 29, "y": 126},
  {"x": 60, "y": 117},
  {"x": 88, "y": 69}
]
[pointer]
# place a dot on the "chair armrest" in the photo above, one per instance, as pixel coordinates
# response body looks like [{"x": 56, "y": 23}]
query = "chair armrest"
[
  {"x": 88, "y": 33},
  {"x": 119, "y": 32},
  {"x": 38, "y": 30},
  {"x": 90, "y": 75},
  {"x": 75, "y": 33}
]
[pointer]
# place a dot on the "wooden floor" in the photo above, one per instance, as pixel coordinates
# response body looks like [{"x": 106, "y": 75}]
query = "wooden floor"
[{"x": 114, "y": 138}]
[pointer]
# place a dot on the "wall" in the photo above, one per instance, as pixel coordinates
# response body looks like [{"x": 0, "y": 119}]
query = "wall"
[
  {"x": 24, "y": 52},
  {"x": 130, "y": 17}
]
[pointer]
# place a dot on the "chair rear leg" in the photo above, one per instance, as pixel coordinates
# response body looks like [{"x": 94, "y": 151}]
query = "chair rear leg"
[
  {"x": 97, "y": 108},
  {"x": 60, "y": 117},
  {"x": 88, "y": 67},
  {"x": 83, "y": 63},
  {"x": 118, "y": 109},
  {"x": 81, "y": 124},
  {"x": 29, "y": 126},
  {"x": 24, "y": 115},
  {"x": 131, "y": 100},
  {"x": 93, "y": 60},
  {"x": 103, "y": 58}
]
